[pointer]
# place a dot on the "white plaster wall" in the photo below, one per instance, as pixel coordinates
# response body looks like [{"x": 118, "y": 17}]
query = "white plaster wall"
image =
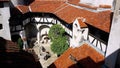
[
  {"x": 85, "y": 33},
  {"x": 114, "y": 38},
  {"x": 17, "y": 2},
  {"x": 97, "y": 2},
  {"x": 77, "y": 35},
  {"x": 5, "y": 32},
  {"x": 113, "y": 43},
  {"x": 44, "y": 30}
]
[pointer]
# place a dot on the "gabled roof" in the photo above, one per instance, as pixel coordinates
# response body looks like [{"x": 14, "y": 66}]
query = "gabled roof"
[
  {"x": 99, "y": 20},
  {"x": 82, "y": 24},
  {"x": 82, "y": 55},
  {"x": 69, "y": 13}
]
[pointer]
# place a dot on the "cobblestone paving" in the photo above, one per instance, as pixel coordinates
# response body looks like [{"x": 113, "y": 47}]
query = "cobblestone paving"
[{"x": 45, "y": 63}]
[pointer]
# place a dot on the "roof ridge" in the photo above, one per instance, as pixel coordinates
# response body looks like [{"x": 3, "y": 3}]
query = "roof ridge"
[
  {"x": 97, "y": 49},
  {"x": 61, "y": 9}
]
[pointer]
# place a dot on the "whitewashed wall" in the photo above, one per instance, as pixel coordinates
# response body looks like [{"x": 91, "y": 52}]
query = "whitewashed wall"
[
  {"x": 5, "y": 15},
  {"x": 77, "y": 36},
  {"x": 97, "y": 2}
]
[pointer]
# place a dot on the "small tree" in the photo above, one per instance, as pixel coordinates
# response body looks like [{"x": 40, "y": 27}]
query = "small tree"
[
  {"x": 59, "y": 45},
  {"x": 58, "y": 38},
  {"x": 55, "y": 32}
]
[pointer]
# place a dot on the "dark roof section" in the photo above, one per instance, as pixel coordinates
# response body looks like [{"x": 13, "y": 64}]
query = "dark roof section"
[
  {"x": 12, "y": 47},
  {"x": 4, "y": 0}
]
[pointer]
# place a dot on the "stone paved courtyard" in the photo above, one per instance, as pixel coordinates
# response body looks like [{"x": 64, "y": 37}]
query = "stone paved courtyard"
[{"x": 44, "y": 63}]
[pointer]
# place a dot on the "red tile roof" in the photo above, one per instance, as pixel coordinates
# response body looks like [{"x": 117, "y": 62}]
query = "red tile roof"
[
  {"x": 83, "y": 56},
  {"x": 45, "y": 6},
  {"x": 74, "y": 1},
  {"x": 22, "y": 8},
  {"x": 82, "y": 24},
  {"x": 99, "y": 20},
  {"x": 69, "y": 13},
  {"x": 12, "y": 47}
]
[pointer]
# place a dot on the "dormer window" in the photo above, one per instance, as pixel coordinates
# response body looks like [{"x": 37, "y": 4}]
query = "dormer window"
[{"x": 76, "y": 25}]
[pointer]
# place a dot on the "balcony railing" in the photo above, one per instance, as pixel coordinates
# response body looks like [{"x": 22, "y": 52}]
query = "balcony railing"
[{"x": 97, "y": 43}]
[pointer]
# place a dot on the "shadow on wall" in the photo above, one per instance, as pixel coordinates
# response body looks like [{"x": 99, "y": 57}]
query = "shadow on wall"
[
  {"x": 111, "y": 60},
  {"x": 118, "y": 60}
]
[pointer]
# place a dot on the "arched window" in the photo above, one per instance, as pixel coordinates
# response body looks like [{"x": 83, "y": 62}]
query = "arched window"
[{"x": 76, "y": 25}]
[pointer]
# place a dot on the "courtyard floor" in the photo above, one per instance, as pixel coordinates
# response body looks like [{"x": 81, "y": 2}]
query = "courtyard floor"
[{"x": 50, "y": 60}]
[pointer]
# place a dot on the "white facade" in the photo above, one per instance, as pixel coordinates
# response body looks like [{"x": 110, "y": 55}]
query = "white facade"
[
  {"x": 114, "y": 38},
  {"x": 97, "y": 2},
  {"x": 77, "y": 36},
  {"x": 5, "y": 15}
]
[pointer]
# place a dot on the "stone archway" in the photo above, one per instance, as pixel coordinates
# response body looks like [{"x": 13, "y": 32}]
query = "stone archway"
[{"x": 42, "y": 31}]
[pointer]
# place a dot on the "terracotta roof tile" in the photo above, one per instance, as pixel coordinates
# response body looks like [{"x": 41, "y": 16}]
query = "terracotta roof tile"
[
  {"x": 100, "y": 20},
  {"x": 12, "y": 47},
  {"x": 42, "y": 6},
  {"x": 23, "y": 8},
  {"x": 104, "y": 6},
  {"x": 83, "y": 56},
  {"x": 74, "y": 1},
  {"x": 82, "y": 24}
]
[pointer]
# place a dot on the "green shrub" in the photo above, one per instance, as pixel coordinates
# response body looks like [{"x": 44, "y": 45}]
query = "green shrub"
[
  {"x": 55, "y": 32},
  {"x": 58, "y": 38},
  {"x": 59, "y": 45}
]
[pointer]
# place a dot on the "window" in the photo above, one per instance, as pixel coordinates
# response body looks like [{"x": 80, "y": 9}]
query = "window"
[
  {"x": 1, "y": 5},
  {"x": 1, "y": 26},
  {"x": 76, "y": 25}
]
